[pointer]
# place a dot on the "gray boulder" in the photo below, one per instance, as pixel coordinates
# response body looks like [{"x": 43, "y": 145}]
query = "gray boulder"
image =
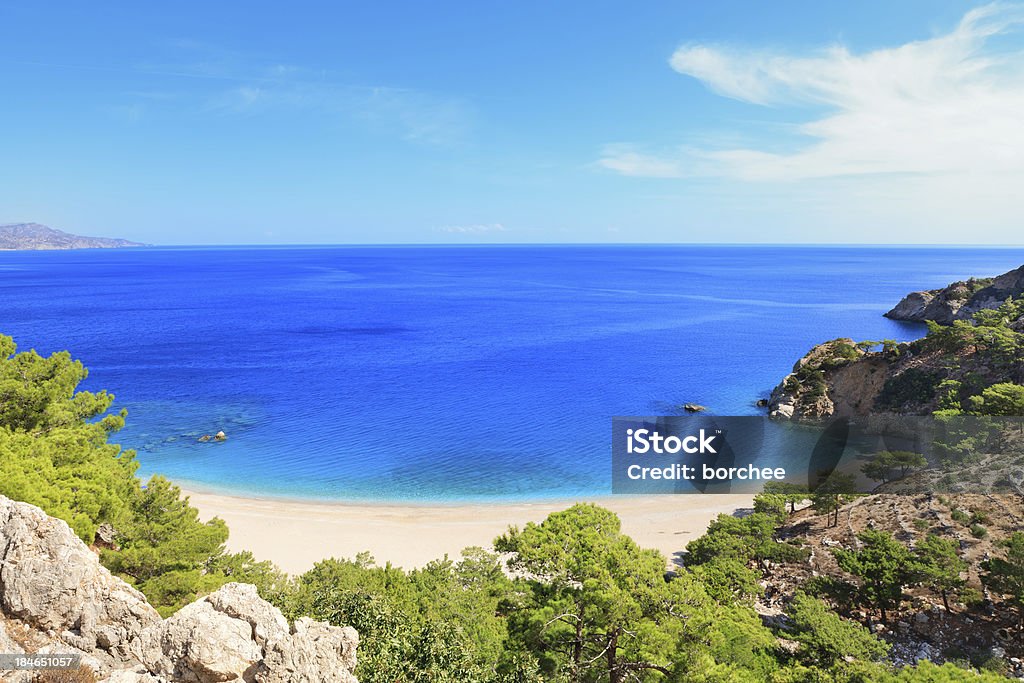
[
  {"x": 56, "y": 597},
  {"x": 52, "y": 582},
  {"x": 234, "y": 635},
  {"x": 312, "y": 648}
]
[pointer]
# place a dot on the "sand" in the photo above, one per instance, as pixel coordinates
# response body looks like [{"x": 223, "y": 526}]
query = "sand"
[{"x": 296, "y": 534}]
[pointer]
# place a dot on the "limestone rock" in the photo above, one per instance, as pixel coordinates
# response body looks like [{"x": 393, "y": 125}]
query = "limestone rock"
[
  {"x": 126, "y": 676},
  {"x": 55, "y": 597},
  {"x": 234, "y": 635},
  {"x": 199, "y": 644},
  {"x": 51, "y": 581},
  {"x": 106, "y": 536},
  {"x": 241, "y": 601},
  {"x": 314, "y": 647}
]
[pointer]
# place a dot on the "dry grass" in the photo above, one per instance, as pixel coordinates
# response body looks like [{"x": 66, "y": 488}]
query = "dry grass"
[{"x": 82, "y": 674}]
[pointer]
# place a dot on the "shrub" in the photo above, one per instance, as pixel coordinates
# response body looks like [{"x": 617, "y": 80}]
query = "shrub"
[
  {"x": 912, "y": 386},
  {"x": 960, "y": 516}
]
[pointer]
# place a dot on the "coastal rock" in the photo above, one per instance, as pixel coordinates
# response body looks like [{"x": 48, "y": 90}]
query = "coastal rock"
[
  {"x": 803, "y": 394},
  {"x": 784, "y": 409},
  {"x": 52, "y": 582},
  {"x": 913, "y": 306},
  {"x": 959, "y": 300}
]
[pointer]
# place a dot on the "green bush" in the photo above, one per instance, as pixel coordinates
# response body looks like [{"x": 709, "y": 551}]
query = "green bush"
[{"x": 911, "y": 387}]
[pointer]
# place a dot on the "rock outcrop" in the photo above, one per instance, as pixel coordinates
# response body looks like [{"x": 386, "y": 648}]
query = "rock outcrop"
[
  {"x": 834, "y": 379},
  {"x": 960, "y": 300},
  {"x": 233, "y": 634},
  {"x": 51, "y": 582},
  {"x": 56, "y": 597}
]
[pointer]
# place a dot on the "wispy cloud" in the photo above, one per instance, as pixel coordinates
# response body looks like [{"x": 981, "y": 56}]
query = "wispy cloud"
[
  {"x": 627, "y": 160},
  {"x": 473, "y": 229},
  {"x": 949, "y": 105},
  {"x": 239, "y": 83},
  {"x": 415, "y": 115}
]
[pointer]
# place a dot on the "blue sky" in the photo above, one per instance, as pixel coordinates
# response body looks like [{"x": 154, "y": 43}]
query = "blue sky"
[{"x": 443, "y": 122}]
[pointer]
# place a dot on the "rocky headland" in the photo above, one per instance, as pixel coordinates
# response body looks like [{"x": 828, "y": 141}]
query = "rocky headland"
[
  {"x": 55, "y": 597},
  {"x": 959, "y": 300},
  {"x": 976, "y": 341}
]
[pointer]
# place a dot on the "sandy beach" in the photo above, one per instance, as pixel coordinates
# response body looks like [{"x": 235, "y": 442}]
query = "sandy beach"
[{"x": 296, "y": 534}]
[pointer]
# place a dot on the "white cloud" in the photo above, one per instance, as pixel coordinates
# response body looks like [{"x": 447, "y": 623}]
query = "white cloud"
[
  {"x": 626, "y": 160},
  {"x": 946, "y": 106},
  {"x": 474, "y": 229}
]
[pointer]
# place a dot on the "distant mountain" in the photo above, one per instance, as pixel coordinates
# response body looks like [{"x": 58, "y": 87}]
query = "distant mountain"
[{"x": 35, "y": 236}]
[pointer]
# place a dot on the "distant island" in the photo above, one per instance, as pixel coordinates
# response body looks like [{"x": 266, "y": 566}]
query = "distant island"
[{"x": 34, "y": 236}]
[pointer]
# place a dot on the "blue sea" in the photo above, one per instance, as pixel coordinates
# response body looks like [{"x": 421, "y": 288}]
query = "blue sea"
[{"x": 442, "y": 373}]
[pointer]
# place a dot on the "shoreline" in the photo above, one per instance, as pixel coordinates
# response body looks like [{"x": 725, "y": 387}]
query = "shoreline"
[{"x": 296, "y": 534}]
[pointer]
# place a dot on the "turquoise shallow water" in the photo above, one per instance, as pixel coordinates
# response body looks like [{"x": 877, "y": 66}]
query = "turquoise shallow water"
[{"x": 442, "y": 373}]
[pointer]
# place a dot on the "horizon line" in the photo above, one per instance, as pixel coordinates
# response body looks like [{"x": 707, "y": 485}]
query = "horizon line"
[{"x": 308, "y": 245}]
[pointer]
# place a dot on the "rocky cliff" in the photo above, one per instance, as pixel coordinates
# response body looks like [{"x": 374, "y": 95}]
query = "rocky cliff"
[
  {"x": 835, "y": 378},
  {"x": 960, "y": 300},
  {"x": 33, "y": 236},
  {"x": 941, "y": 371},
  {"x": 55, "y": 597}
]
